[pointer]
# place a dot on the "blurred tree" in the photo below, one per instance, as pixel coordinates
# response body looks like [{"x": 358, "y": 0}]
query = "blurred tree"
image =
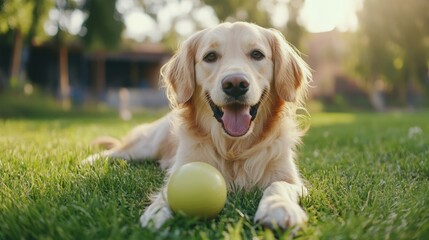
[
  {"x": 394, "y": 46},
  {"x": 63, "y": 11},
  {"x": 163, "y": 12},
  {"x": 104, "y": 27},
  {"x": 39, "y": 16},
  {"x": 13, "y": 17},
  {"x": 260, "y": 12},
  {"x": 240, "y": 10},
  {"x": 100, "y": 31},
  {"x": 25, "y": 19},
  {"x": 294, "y": 31},
  {"x": 256, "y": 11}
]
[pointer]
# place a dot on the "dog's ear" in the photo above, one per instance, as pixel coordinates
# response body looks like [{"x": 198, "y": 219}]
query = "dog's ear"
[
  {"x": 178, "y": 74},
  {"x": 291, "y": 73}
]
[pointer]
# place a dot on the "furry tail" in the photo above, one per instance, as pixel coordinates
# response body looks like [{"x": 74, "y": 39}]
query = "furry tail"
[{"x": 106, "y": 142}]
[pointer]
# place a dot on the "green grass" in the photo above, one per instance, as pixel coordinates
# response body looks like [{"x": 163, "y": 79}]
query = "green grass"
[{"x": 368, "y": 178}]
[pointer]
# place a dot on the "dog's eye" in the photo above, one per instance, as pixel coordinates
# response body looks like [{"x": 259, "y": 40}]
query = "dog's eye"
[
  {"x": 257, "y": 55},
  {"x": 210, "y": 57}
]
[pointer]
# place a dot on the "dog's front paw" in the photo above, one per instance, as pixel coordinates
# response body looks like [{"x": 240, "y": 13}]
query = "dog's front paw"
[
  {"x": 276, "y": 212},
  {"x": 155, "y": 216},
  {"x": 91, "y": 160},
  {"x": 94, "y": 158}
]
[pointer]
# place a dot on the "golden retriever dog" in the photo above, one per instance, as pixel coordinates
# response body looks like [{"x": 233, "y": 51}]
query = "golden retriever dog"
[{"x": 234, "y": 91}]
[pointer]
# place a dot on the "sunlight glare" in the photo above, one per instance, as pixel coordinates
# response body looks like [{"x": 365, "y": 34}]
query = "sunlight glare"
[
  {"x": 280, "y": 15},
  {"x": 205, "y": 16},
  {"x": 185, "y": 27},
  {"x": 323, "y": 16},
  {"x": 140, "y": 25}
]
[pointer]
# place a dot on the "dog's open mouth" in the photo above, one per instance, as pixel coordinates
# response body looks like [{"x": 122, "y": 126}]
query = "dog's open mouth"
[{"x": 236, "y": 118}]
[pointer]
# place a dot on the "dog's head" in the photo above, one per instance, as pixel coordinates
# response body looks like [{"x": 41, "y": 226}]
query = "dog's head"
[{"x": 231, "y": 69}]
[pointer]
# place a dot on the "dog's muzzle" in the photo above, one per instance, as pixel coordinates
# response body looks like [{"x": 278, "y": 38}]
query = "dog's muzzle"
[{"x": 236, "y": 117}]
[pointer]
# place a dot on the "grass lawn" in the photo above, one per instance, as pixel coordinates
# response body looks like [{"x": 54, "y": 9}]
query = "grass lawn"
[{"x": 368, "y": 178}]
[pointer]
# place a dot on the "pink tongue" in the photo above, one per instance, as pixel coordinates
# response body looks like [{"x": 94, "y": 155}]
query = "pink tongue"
[{"x": 236, "y": 120}]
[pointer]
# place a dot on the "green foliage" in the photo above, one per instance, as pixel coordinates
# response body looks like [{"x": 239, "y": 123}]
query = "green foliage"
[
  {"x": 240, "y": 10},
  {"x": 65, "y": 8},
  {"x": 24, "y": 15},
  {"x": 393, "y": 42},
  {"x": 252, "y": 11},
  {"x": 367, "y": 174},
  {"x": 294, "y": 31},
  {"x": 39, "y": 16},
  {"x": 14, "y": 15},
  {"x": 103, "y": 25}
]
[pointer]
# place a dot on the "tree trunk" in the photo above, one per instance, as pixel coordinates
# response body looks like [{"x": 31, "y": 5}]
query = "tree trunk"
[
  {"x": 16, "y": 58},
  {"x": 64, "y": 78}
]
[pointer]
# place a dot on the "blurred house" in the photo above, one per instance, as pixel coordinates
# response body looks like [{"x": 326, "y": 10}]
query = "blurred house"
[
  {"x": 324, "y": 57},
  {"x": 135, "y": 69},
  {"x": 326, "y": 53}
]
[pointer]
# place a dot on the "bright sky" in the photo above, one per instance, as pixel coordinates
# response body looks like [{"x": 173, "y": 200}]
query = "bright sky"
[
  {"x": 140, "y": 26},
  {"x": 326, "y": 15},
  {"x": 316, "y": 16}
]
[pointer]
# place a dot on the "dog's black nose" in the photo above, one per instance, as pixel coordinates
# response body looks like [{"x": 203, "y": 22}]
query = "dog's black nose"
[{"x": 235, "y": 85}]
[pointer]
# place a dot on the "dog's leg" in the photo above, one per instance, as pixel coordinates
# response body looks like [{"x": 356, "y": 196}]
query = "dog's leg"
[
  {"x": 147, "y": 141},
  {"x": 111, "y": 154},
  {"x": 279, "y": 206},
  {"x": 157, "y": 213}
]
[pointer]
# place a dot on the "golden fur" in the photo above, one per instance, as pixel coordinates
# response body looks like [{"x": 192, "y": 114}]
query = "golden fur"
[{"x": 264, "y": 155}]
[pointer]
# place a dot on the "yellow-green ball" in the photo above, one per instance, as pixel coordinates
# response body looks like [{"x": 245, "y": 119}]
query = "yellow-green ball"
[{"x": 197, "y": 189}]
